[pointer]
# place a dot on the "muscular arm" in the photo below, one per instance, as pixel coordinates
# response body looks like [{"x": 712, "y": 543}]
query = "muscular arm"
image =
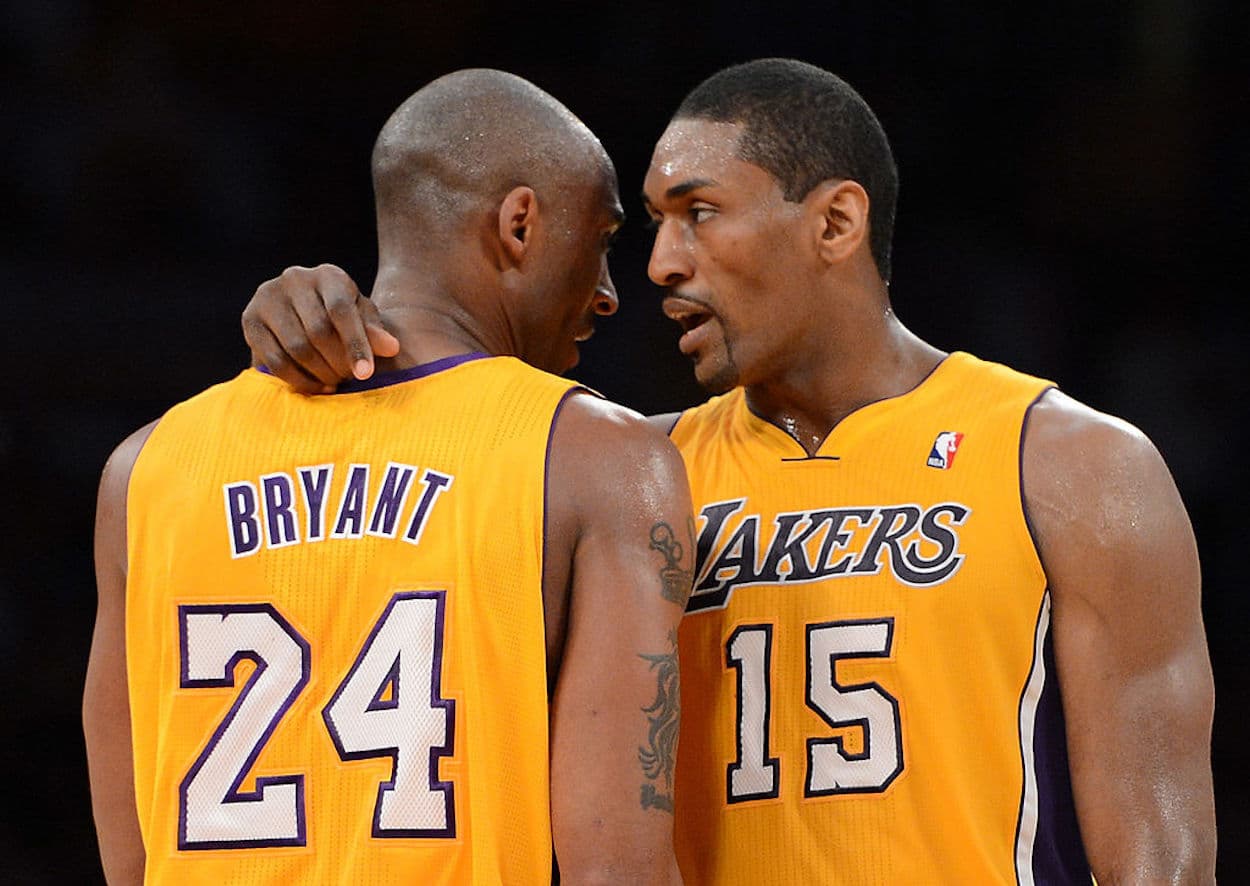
[
  {"x": 619, "y": 541},
  {"x": 1130, "y": 648},
  {"x": 106, "y": 705}
]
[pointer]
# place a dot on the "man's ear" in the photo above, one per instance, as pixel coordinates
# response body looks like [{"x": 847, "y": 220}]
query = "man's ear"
[
  {"x": 518, "y": 215},
  {"x": 841, "y": 209}
]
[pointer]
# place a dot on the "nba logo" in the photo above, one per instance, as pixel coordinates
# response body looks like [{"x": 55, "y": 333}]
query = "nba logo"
[{"x": 942, "y": 455}]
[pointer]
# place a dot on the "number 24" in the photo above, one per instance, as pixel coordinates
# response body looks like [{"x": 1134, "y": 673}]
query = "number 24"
[{"x": 366, "y": 717}]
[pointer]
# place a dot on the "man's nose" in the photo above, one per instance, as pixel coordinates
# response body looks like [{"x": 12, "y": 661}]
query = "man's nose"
[
  {"x": 606, "y": 301},
  {"x": 670, "y": 256}
]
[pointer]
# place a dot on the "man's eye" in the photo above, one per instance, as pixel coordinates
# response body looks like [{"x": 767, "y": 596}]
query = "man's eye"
[{"x": 700, "y": 214}]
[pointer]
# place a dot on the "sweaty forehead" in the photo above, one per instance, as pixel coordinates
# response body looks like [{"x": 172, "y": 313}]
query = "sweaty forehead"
[{"x": 692, "y": 149}]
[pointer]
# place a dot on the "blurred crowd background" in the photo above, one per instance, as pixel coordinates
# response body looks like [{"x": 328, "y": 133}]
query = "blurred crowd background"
[{"x": 1073, "y": 202}]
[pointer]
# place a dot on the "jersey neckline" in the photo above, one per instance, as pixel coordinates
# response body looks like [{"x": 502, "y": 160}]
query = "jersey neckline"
[
  {"x": 399, "y": 376},
  {"x": 792, "y": 450},
  {"x": 395, "y": 377}
]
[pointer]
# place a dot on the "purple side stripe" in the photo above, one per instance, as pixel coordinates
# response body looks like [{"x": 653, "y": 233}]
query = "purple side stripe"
[
  {"x": 1058, "y": 853},
  {"x": 551, "y": 433}
]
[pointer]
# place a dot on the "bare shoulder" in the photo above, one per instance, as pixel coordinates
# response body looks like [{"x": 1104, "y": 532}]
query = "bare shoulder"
[
  {"x": 1059, "y": 421},
  {"x": 122, "y": 461},
  {"x": 1074, "y": 454},
  {"x": 1095, "y": 485},
  {"x": 611, "y": 470},
  {"x": 115, "y": 478},
  {"x": 110, "y": 526},
  {"x": 611, "y": 443}
]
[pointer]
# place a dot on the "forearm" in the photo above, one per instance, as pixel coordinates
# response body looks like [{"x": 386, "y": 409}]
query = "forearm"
[
  {"x": 613, "y": 750},
  {"x": 1141, "y": 773},
  {"x": 106, "y": 728}
]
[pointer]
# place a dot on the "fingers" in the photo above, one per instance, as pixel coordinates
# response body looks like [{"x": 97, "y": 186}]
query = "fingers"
[
  {"x": 317, "y": 343},
  {"x": 328, "y": 310},
  {"x": 348, "y": 312},
  {"x": 305, "y": 326},
  {"x": 278, "y": 337},
  {"x": 381, "y": 341},
  {"x": 268, "y": 353}
]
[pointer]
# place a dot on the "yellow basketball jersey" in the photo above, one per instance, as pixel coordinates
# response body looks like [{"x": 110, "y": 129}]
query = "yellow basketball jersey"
[
  {"x": 868, "y": 692},
  {"x": 335, "y": 634}
]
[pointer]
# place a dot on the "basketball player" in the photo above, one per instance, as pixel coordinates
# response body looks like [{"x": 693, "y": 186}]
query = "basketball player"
[
  {"x": 422, "y": 629},
  {"x": 945, "y": 625}
]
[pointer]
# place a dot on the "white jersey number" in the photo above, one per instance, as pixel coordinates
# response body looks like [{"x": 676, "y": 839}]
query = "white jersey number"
[
  {"x": 832, "y": 767},
  {"x": 213, "y": 813},
  {"x": 367, "y": 717}
]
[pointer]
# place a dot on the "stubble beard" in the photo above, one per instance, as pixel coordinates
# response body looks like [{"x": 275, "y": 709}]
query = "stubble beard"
[{"x": 723, "y": 379}]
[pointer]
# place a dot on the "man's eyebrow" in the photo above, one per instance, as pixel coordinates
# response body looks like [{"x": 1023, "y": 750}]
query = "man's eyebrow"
[
  {"x": 690, "y": 184},
  {"x": 682, "y": 188}
]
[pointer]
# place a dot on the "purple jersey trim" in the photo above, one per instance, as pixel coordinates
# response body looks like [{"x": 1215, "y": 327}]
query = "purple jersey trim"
[
  {"x": 1024, "y": 504},
  {"x": 551, "y": 433},
  {"x": 1058, "y": 853},
  {"x": 399, "y": 376},
  {"x": 384, "y": 379}
]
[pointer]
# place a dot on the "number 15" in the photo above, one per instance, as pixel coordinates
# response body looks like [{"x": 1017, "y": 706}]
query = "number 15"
[{"x": 832, "y": 768}]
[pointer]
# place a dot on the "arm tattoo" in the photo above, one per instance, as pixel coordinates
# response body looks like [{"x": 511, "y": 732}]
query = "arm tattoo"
[
  {"x": 663, "y": 718},
  {"x": 675, "y": 581}
]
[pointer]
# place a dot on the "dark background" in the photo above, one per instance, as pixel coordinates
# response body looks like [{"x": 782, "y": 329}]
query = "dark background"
[{"x": 1073, "y": 202}]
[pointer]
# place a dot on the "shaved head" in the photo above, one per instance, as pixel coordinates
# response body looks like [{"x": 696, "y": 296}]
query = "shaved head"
[
  {"x": 495, "y": 210},
  {"x": 458, "y": 145}
]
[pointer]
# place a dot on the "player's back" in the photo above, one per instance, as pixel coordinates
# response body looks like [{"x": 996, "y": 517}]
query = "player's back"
[
  {"x": 868, "y": 689},
  {"x": 335, "y": 635}
]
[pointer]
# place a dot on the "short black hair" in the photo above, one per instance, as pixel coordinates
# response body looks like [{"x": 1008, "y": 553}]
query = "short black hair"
[{"x": 805, "y": 126}]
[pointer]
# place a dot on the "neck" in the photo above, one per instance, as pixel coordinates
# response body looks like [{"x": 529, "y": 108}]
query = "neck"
[
  {"x": 433, "y": 320},
  {"x": 824, "y": 385}
]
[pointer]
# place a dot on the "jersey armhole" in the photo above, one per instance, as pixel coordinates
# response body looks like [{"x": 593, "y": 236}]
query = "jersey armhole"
[{"x": 1029, "y": 532}]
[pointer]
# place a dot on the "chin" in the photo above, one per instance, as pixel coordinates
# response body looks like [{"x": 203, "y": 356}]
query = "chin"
[{"x": 716, "y": 379}]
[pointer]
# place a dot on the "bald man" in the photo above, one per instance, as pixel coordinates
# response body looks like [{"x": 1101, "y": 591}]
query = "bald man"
[{"x": 425, "y": 628}]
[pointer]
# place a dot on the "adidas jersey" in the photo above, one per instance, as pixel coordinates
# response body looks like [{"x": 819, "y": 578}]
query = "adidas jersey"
[
  {"x": 868, "y": 690},
  {"x": 334, "y": 630}
]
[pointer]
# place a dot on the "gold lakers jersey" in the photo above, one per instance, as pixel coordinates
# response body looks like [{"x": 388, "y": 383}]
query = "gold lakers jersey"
[
  {"x": 868, "y": 691},
  {"x": 334, "y": 630}
]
